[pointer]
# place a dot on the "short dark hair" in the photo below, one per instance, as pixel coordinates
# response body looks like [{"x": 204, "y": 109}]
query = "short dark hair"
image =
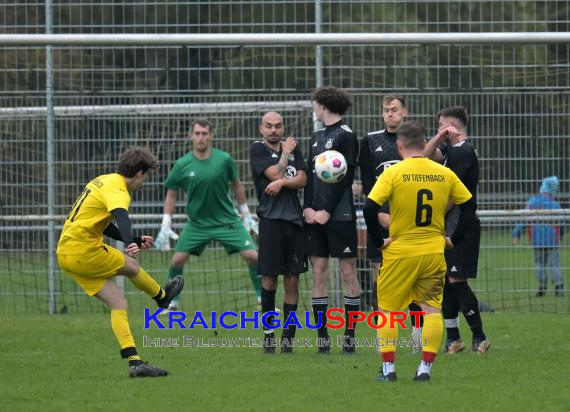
[
  {"x": 136, "y": 159},
  {"x": 412, "y": 134},
  {"x": 335, "y": 100},
  {"x": 203, "y": 123},
  {"x": 457, "y": 112},
  {"x": 389, "y": 97}
]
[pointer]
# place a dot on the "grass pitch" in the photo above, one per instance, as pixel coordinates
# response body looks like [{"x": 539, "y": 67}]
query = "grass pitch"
[{"x": 71, "y": 362}]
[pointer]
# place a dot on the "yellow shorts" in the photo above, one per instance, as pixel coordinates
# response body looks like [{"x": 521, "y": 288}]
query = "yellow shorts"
[
  {"x": 91, "y": 270},
  {"x": 416, "y": 278}
]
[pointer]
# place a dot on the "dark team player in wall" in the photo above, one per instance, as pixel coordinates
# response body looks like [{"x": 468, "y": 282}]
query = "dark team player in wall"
[
  {"x": 279, "y": 171},
  {"x": 330, "y": 214}
]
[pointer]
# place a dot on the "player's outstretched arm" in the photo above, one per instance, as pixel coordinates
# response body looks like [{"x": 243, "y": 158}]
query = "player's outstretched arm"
[{"x": 166, "y": 233}]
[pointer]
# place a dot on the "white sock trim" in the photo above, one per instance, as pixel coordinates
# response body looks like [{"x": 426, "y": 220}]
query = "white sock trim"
[{"x": 452, "y": 323}]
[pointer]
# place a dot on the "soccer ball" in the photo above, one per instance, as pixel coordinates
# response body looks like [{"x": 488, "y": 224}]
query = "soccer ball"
[{"x": 330, "y": 166}]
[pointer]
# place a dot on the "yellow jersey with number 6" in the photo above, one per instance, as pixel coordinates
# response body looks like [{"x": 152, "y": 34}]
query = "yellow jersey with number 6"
[
  {"x": 91, "y": 214},
  {"x": 418, "y": 190}
]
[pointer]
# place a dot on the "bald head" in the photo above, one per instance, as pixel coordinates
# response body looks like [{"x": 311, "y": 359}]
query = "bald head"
[
  {"x": 272, "y": 117},
  {"x": 271, "y": 127}
]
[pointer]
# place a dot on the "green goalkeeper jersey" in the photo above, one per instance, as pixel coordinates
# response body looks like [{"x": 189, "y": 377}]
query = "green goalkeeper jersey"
[{"x": 207, "y": 187}]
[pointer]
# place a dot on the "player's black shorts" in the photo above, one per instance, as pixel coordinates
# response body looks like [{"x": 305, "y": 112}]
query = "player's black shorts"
[
  {"x": 372, "y": 252},
  {"x": 462, "y": 260},
  {"x": 335, "y": 239},
  {"x": 282, "y": 248}
]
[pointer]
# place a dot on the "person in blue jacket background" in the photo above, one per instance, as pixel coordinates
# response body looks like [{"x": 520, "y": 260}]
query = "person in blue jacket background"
[{"x": 545, "y": 238}]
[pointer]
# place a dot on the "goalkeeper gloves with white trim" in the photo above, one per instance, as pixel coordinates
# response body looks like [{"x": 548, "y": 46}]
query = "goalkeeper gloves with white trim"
[
  {"x": 166, "y": 233},
  {"x": 249, "y": 222}
]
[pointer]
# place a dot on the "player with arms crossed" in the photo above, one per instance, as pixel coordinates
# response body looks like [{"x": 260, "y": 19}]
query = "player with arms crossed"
[
  {"x": 278, "y": 171},
  {"x": 418, "y": 190},
  {"x": 460, "y": 156},
  {"x": 206, "y": 175},
  {"x": 89, "y": 261},
  {"x": 330, "y": 214}
]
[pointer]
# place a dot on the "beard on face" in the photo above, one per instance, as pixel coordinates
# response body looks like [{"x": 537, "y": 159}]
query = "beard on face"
[{"x": 273, "y": 138}]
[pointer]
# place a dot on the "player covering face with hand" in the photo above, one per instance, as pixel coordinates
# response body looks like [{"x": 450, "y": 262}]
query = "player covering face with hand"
[{"x": 451, "y": 146}]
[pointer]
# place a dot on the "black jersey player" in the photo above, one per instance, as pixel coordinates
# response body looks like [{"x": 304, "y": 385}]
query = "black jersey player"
[
  {"x": 330, "y": 214},
  {"x": 279, "y": 171},
  {"x": 460, "y": 156}
]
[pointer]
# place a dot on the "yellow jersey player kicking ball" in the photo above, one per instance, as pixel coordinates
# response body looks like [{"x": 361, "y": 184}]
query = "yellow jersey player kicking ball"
[
  {"x": 89, "y": 261},
  {"x": 414, "y": 268}
]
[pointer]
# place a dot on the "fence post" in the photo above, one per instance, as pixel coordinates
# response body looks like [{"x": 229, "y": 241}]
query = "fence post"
[{"x": 50, "y": 119}]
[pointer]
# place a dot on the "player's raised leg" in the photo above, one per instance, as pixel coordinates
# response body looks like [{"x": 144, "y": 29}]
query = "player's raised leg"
[
  {"x": 113, "y": 297},
  {"x": 143, "y": 281}
]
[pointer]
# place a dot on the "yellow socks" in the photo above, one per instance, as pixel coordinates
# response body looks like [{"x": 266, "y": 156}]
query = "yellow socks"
[
  {"x": 388, "y": 337},
  {"x": 122, "y": 331},
  {"x": 432, "y": 333},
  {"x": 143, "y": 281},
  {"x": 121, "y": 328}
]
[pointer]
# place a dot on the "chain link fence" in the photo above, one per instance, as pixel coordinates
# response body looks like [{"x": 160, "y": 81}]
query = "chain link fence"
[{"x": 517, "y": 96}]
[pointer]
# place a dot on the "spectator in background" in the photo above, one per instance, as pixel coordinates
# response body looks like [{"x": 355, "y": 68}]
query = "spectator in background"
[{"x": 545, "y": 238}]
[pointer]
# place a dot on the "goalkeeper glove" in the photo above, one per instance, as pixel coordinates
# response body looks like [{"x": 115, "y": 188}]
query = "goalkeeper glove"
[
  {"x": 248, "y": 221},
  {"x": 166, "y": 233}
]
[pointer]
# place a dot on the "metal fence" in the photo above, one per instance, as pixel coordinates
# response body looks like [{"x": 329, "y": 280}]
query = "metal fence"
[{"x": 517, "y": 96}]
